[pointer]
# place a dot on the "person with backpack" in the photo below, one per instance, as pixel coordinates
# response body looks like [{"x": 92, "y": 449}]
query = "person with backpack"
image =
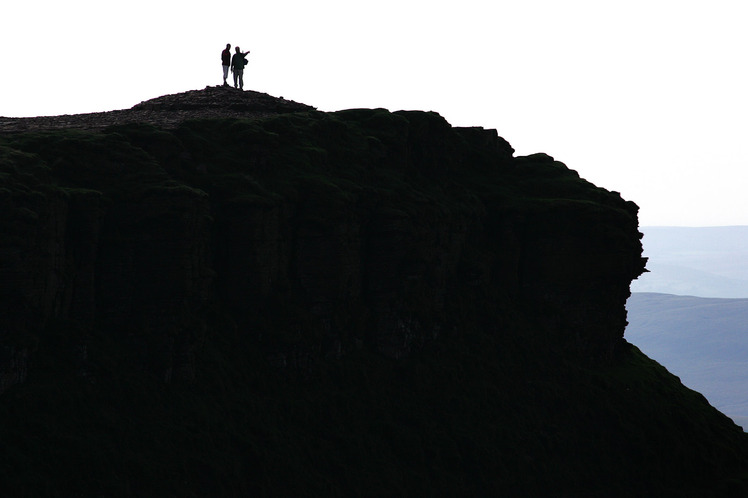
[
  {"x": 226, "y": 62},
  {"x": 238, "y": 62}
]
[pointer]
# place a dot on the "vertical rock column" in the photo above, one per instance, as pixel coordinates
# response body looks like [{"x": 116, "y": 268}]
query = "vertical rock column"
[{"x": 155, "y": 265}]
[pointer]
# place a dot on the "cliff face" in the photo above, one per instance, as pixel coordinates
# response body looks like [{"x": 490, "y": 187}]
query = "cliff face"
[
  {"x": 215, "y": 252},
  {"x": 359, "y": 225}
]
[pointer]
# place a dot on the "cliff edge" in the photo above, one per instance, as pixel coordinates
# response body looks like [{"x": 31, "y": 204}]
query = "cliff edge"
[{"x": 297, "y": 302}]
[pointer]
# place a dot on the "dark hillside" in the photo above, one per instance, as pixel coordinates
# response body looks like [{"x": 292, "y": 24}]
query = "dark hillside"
[{"x": 359, "y": 303}]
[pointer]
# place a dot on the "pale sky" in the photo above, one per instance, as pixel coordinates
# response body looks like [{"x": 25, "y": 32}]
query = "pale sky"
[{"x": 645, "y": 97}]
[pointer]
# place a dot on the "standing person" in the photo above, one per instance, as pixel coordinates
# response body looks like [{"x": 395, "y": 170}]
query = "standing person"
[
  {"x": 226, "y": 61},
  {"x": 237, "y": 67}
]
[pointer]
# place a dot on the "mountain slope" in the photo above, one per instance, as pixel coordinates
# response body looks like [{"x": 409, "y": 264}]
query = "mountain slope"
[{"x": 303, "y": 303}]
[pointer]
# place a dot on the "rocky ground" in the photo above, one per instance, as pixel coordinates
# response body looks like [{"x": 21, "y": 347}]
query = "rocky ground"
[{"x": 167, "y": 111}]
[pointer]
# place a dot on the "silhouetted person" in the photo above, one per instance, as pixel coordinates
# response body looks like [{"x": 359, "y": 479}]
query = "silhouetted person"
[
  {"x": 237, "y": 67},
  {"x": 226, "y": 61}
]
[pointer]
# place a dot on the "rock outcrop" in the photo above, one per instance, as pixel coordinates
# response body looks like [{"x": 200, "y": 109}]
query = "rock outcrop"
[
  {"x": 212, "y": 240},
  {"x": 141, "y": 239},
  {"x": 167, "y": 111}
]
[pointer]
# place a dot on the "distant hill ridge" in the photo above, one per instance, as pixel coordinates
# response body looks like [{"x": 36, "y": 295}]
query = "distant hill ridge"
[{"x": 695, "y": 261}]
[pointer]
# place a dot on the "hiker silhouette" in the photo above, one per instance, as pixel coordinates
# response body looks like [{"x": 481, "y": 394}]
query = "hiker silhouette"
[
  {"x": 226, "y": 62},
  {"x": 237, "y": 67}
]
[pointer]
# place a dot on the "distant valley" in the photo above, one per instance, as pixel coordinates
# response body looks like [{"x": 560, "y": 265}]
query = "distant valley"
[
  {"x": 690, "y": 312},
  {"x": 704, "y": 341}
]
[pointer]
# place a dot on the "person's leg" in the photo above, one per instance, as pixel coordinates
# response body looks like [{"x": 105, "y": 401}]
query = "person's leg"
[
  {"x": 241, "y": 79},
  {"x": 225, "y": 74},
  {"x": 236, "y": 75}
]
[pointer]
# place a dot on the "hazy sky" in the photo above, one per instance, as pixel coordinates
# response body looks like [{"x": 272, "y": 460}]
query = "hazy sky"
[{"x": 648, "y": 98}]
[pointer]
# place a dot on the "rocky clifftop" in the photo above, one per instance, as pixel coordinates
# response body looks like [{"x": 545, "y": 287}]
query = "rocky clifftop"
[
  {"x": 167, "y": 111},
  {"x": 238, "y": 250}
]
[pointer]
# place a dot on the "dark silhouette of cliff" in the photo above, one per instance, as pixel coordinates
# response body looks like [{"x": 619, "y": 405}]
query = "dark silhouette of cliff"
[{"x": 216, "y": 293}]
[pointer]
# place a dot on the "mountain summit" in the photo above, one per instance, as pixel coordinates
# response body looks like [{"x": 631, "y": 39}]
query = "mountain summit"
[
  {"x": 168, "y": 111},
  {"x": 227, "y": 294}
]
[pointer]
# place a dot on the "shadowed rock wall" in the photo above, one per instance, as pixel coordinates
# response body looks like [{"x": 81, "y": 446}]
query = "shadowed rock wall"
[
  {"x": 371, "y": 303},
  {"x": 359, "y": 229}
]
